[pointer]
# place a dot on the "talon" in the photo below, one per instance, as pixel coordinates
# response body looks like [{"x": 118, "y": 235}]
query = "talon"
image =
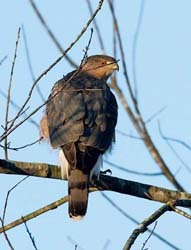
[{"x": 107, "y": 171}]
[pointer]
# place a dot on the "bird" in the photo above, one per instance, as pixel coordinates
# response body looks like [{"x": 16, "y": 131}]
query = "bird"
[{"x": 79, "y": 120}]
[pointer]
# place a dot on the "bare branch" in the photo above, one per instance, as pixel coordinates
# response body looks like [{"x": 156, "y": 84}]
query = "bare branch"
[
  {"x": 174, "y": 139},
  {"x": 73, "y": 242},
  {"x": 151, "y": 233},
  {"x": 8, "y": 194},
  {"x": 155, "y": 114},
  {"x": 134, "y": 49},
  {"x": 121, "y": 49},
  {"x": 128, "y": 135},
  {"x": 9, "y": 94},
  {"x": 22, "y": 147},
  {"x": 17, "y": 107},
  {"x": 131, "y": 171},
  {"x": 30, "y": 236},
  {"x": 179, "y": 211},
  {"x": 2, "y": 60},
  {"x": 96, "y": 27},
  {"x": 30, "y": 64},
  {"x": 167, "y": 140},
  {"x": 6, "y": 236},
  {"x": 34, "y": 214},
  {"x": 105, "y": 182}
]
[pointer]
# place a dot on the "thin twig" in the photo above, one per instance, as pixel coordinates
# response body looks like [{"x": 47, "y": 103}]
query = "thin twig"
[
  {"x": 50, "y": 33},
  {"x": 166, "y": 139},
  {"x": 181, "y": 212},
  {"x": 151, "y": 233},
  {"x": 2, "y": 60},
  {"x": 76, "y": 244},
  {"x": 131, "y": 171},
  {"x": 17, "y": 107},
  {"x": 114, "y": 38},
  {"x": 22, "y": 147},
  {"x": 155, "y": 114},
  {"x": 12, "y": 127},
  {"x": 96, "y": 27},
  {"x": 106, "y": 245},
  {"x": 9, "y": 94},
  {"x": 30, "y": 236},
  {"x": 4, "y": 211},
  {"x": 30, "y": 64},
  {"x": 135, "y": 44},
  {"x": 9, "y": 192},
  {"x": 173, "y": 139},
  {"x": 121, "y": 50},
  {"x": 128, "y": 135}
]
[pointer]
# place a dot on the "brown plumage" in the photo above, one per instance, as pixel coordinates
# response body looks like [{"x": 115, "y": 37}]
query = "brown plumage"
[{"x": 81, "y": 115}]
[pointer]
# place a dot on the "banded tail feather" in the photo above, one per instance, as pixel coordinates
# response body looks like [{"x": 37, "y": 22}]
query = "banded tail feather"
[{"x": 78, "y": 185}]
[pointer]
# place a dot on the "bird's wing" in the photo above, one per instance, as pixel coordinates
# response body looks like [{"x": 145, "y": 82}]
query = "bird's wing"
[
  {"x": 83, "y": 110},
  {"x": 65, "y": 112}
]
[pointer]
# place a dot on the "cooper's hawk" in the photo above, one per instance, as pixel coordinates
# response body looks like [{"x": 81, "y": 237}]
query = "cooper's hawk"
[{"x": 81, "y": 115}]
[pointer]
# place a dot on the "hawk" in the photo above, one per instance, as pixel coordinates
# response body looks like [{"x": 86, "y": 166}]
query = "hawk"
[{"x": 80, "y": 120}]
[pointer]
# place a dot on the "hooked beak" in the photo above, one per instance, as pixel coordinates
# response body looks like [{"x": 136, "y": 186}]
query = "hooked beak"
[{"x": 116, "y": 66}]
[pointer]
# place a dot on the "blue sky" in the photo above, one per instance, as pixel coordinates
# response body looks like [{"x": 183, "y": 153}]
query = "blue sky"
[{"x": 163, "y": 76}]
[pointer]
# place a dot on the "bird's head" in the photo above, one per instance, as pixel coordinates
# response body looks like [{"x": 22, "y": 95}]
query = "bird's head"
[{"x": 100, "y": 66}]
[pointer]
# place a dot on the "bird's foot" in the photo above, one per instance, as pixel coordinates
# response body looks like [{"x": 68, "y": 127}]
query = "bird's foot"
[{"x": 107, "y": 171}]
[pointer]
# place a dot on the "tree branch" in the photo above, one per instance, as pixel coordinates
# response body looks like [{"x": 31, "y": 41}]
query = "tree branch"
[{"x": 105, "y": 182}]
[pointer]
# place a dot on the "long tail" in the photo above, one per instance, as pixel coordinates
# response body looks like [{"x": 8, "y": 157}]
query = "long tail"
[{"x": 78, "y": 193}]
